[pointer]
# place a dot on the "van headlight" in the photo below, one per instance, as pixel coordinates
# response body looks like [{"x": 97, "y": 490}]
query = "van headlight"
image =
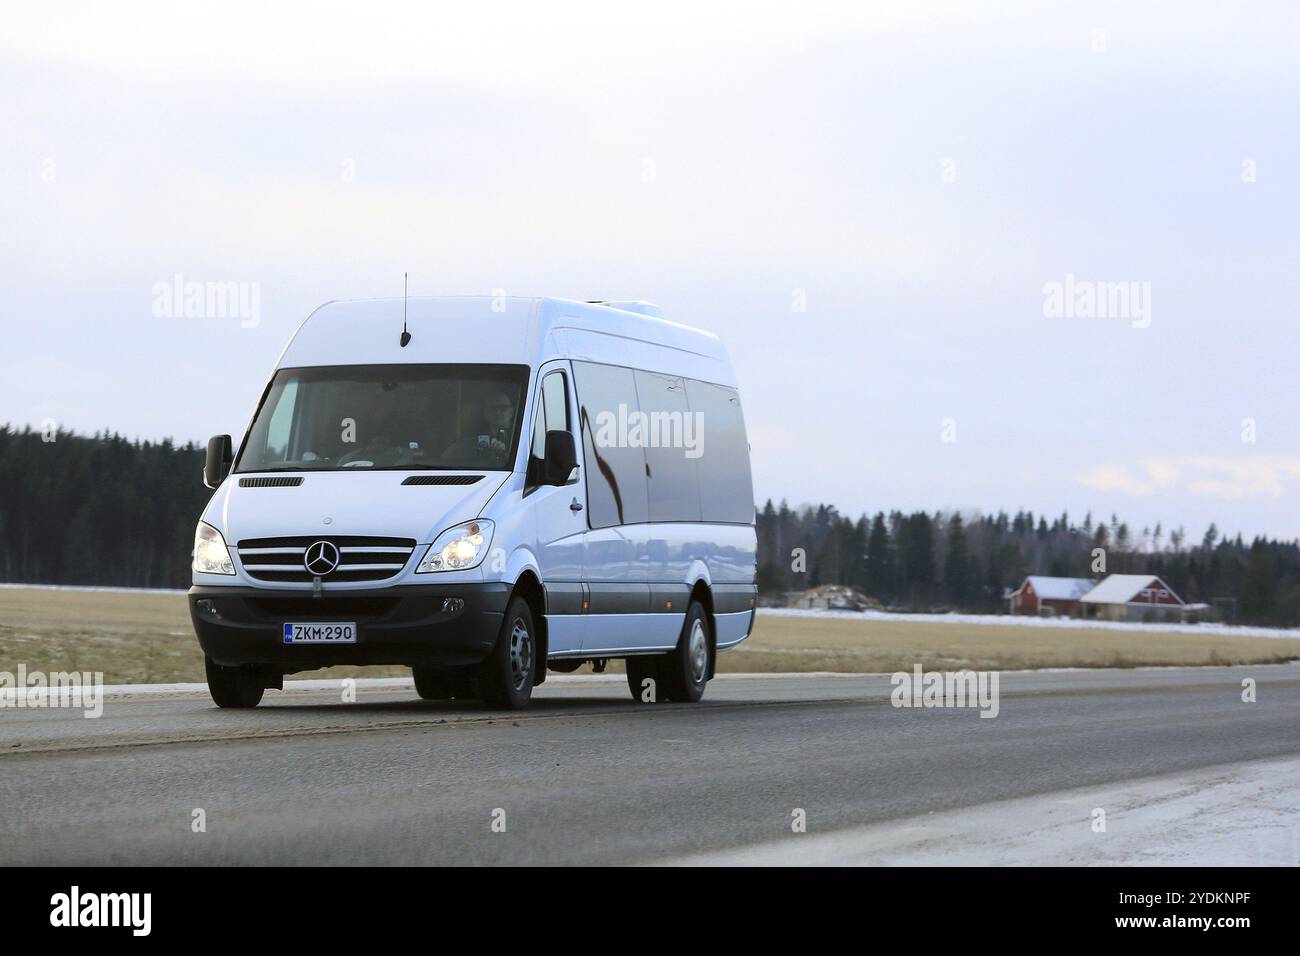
[
  {"x": 458, "y": 548},
  {"x": 211, "y": 556}
]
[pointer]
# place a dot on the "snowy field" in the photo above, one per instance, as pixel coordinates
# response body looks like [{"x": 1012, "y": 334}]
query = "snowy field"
[{"x": 1007, "y": 620}]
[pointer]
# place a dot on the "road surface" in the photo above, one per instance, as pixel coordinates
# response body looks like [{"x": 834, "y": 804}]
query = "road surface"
[{"x": 587, "y": 776}]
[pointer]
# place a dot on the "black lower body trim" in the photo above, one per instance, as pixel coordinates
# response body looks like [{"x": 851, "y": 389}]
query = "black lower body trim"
[
  {"x": 630, "y": 598},
  {"x": 732, "y": 598},
  {"x": 397, "y": 625},
  {"x": 565, "y": 597}
]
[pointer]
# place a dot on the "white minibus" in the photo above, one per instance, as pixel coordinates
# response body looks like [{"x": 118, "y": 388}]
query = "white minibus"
[{"x": 487, "y": 490}]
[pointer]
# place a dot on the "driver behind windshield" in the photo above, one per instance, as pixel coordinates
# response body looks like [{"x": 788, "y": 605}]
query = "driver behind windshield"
[
  {"x": 486, "y": 433},
  {"x": 383, "y": 416}
]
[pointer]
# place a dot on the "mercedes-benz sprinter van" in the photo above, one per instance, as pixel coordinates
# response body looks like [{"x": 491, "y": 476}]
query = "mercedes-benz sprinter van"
[{"x": 484, "y": 490}]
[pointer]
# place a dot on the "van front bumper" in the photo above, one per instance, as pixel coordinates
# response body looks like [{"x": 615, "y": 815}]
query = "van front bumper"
[{"x": 452, "y": 625}]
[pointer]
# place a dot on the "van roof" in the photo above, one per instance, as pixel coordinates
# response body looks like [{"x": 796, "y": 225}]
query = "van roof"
[{"x": 507, "y": 330}]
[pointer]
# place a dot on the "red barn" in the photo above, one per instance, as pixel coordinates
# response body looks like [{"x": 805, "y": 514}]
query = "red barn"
[
  {"x": 1041, "y": 595},
  {"x": 1133, "y": 597}
]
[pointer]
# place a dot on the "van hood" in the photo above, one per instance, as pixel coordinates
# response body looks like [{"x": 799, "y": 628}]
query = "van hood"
[{"x": 346, "y": 502}]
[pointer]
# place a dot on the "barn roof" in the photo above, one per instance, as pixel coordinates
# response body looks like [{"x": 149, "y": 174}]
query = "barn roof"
[
  {"x": 1124, "y": 589},
  {"x": 1060, "y": 589}
]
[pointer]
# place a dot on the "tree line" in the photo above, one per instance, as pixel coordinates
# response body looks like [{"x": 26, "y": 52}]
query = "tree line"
[
  {"x": 105, "y": 510},
  {"x": 967, "y": 562},
  {"x": 99, "y": 510}
]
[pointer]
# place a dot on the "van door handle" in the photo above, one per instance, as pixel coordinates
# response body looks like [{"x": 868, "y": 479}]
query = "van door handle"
[{"x": 575, "y": 505}]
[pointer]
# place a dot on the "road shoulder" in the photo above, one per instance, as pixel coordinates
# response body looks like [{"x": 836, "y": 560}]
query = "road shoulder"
[{"x": 1244, "y": 814}]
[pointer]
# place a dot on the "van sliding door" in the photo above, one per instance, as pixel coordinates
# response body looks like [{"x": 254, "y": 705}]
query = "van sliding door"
[{"x": 619, "y": 598}]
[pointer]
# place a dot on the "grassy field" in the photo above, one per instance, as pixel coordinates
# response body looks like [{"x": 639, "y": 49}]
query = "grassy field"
[
  {"x": 836, "y": 644},
  {"x": 146, "y": 638}
]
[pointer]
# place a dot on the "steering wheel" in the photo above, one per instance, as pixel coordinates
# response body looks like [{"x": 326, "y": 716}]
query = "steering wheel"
[{"x": 360, "y": 457}]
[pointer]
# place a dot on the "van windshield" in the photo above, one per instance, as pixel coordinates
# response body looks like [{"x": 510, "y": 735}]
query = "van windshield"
[{"x": 367, "y": 417}]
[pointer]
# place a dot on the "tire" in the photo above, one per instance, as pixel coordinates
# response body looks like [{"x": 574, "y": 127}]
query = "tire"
[
  {"x": 684, "y": 672},
  {"x": 237, "y": 687},
  {"x": 639, "y": 670},
  {"x": 434, "y": 684},
  {"x": 505, "y": 679}
]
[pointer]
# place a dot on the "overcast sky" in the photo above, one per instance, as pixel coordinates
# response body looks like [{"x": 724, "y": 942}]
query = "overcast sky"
[{"x": 866, "y": 204}]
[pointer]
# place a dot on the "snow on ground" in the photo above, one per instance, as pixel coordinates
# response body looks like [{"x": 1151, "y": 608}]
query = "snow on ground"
[
  {"x": 1237, "y": 815},
  {"x": 1008, "y": 620}
]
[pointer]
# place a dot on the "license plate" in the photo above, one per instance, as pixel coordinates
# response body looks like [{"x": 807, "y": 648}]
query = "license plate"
[{"x": 320, "y": 633}]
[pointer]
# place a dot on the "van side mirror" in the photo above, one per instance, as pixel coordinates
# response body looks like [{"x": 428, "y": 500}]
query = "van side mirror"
[
  {"x": 561, "y": 457},
  {"x": 217, "y": 464}
]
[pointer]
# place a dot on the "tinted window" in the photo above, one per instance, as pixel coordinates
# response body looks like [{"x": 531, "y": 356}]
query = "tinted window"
[
  {"x": 388, "y": 416},
  {"x": 616, "y": 480},
  {"x": 670, "y": 442},
  {"x": 557, "y": 402},
  {"x": 552, "y": 415},
  {"x": 726, "y": 490},
  {"x": 277, "y": 435},
  {"x": 552, "y": 411}
]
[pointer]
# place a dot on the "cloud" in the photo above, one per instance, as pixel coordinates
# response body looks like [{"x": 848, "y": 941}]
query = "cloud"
[{"x": 1230, "y": 479}]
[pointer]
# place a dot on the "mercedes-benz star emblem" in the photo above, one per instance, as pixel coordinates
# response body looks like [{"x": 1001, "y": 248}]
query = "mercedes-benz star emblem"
[{"x": 321, "y": 558}]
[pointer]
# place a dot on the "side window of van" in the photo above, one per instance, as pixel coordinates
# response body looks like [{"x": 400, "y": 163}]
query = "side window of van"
[
  {"x": 615, "y": 471},
  {"x": 726, "y": 488},
  {"x": 673, "y": 453},
  {"x": 552, "y": 416},
  {"x": 277, "y": 435}
]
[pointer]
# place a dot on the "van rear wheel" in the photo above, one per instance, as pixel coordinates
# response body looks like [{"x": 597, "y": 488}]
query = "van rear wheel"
[
  {"x": 238, "y": 687},
  {"x": 639, "y": 671},
  {"x": 684, "y": 672},
  {"x": 681, "y": 674},
  {"x": 505, "y": 679}
]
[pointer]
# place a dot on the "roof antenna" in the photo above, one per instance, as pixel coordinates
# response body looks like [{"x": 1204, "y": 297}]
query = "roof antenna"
[{"x": 406, "y": 336}]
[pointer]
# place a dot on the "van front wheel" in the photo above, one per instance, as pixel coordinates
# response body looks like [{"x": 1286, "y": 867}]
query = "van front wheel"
[
  {"x": 233, "y": 686},
  {"x": 506, "y": 678},
  {"x": 432, "y": 684}
]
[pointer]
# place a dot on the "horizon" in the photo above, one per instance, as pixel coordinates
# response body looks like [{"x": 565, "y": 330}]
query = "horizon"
[{"x": 1192, "y": 539}]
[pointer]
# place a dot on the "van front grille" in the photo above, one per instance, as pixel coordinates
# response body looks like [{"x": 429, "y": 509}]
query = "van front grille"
[{"x": 334, "y": 558}]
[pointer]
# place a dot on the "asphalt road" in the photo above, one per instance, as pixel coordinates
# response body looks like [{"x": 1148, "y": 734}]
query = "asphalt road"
[{"x": 586, "y": 775}]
